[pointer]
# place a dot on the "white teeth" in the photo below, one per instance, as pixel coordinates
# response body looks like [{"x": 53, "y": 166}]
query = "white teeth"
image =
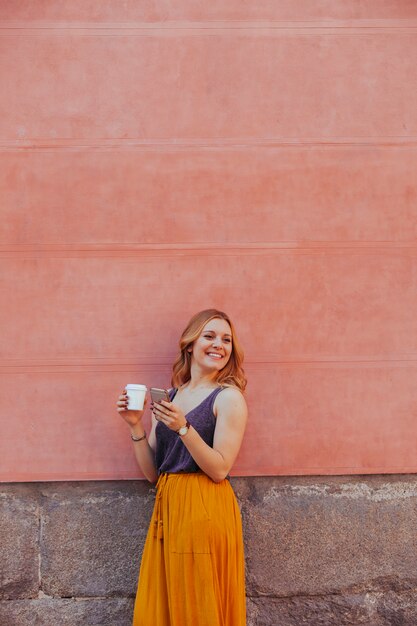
[{"x": 217, "y": 356}]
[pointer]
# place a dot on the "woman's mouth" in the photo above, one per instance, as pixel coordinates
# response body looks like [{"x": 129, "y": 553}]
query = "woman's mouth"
[{"x": 215, "y": 355}]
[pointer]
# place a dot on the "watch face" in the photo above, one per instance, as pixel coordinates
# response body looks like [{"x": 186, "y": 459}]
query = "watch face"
[{"x": 183, "y": 430}]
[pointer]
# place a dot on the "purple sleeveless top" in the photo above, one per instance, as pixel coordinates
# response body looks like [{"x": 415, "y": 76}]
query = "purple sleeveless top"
[{"x": 171, "y": 454}]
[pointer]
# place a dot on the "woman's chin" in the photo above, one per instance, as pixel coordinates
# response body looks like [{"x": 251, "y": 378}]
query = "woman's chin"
[{"x": 215, "y": 366}]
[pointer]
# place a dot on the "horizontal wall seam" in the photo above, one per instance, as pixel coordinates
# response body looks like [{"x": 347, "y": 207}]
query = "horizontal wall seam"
[
  {"x": 163, "y": 364},
  {"x": 118, "y": 144},
  {"x": 36, "y": 476},
  {"x": 207, "y": 245},
  {"x": 161, "y": 359},
  {"x": 369, "y": 588},
  {"x": 189, "y": 27},
  {"x": 196, "y": 249}
]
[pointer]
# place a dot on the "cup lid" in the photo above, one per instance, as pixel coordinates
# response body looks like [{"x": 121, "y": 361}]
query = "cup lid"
[{"x": 133, "y": 386}]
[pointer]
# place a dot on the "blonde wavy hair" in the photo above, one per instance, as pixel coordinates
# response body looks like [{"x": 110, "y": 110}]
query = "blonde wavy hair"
[{"x": 232, "y": 373}]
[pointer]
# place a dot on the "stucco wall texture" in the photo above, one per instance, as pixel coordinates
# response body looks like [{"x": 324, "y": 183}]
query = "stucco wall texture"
[
  {"x": 160, "y": 158},
  {"x": 157, "y": 158}
]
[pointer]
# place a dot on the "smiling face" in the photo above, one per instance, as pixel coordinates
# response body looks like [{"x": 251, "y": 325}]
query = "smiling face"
[{"x": 212, "y": 349}]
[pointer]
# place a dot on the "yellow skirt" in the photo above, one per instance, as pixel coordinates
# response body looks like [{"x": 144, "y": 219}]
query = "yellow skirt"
[{"x": 192, "y": 571}]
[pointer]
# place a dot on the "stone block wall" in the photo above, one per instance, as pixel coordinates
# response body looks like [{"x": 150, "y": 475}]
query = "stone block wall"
[{"x": 319, "y": 551}]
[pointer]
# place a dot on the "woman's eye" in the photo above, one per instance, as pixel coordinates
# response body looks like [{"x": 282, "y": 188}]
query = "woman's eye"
[{"x": 211, "y": 337}]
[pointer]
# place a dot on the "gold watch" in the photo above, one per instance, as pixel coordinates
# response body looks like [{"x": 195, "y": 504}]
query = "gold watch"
[{"x": 184, "y": 429}]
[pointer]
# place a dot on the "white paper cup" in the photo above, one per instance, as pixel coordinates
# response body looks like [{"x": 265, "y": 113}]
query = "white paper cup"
[{"x": 136, "y": 395}]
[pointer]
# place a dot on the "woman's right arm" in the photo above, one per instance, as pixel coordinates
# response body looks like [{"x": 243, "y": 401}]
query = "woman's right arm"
[{"x": 144, "y": 449}]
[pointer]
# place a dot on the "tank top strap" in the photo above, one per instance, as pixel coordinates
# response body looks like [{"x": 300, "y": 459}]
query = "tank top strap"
[
  {"x": 172, "y": 392},
  {"x": 214, "y": 396}
]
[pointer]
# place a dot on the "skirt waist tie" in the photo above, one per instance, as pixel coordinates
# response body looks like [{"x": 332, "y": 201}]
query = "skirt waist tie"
[{"x": 158, "y": 525}]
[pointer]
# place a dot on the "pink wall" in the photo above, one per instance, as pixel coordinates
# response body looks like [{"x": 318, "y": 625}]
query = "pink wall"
[{"x": 156, "y": 159}]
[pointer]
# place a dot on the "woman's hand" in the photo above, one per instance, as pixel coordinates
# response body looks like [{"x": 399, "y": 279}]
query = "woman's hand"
[
  {"x": 131, "y": 417},
  {"x": 169, "y": 414}
]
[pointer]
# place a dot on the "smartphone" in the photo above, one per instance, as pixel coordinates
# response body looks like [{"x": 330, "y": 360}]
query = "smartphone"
[{"x": 159, "y": 394}]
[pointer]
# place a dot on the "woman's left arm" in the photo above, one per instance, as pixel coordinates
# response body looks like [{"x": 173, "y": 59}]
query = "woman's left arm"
[{"x": 231, "y": 420}]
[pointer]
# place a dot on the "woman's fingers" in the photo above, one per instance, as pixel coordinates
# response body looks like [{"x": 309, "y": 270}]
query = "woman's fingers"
[
  {"x": 161, "y": 415},
  {"x": 166, "y": 415},
  {"x": 157, "y": 411},
  {"x": 123, "y": 401},
  {"x": 162, "y": 405}
]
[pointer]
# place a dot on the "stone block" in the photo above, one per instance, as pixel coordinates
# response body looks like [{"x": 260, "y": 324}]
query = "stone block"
[
  {"x": 19, "y": 533},
  {"x": 311, "y": 611},
  {"x": 74, "y": 612},
  {"x": 92, "y": 537},
  {"x": 321, "y": 535},
  {"x": 367, "y": 609},
  {"x": 397, "y": 609}
]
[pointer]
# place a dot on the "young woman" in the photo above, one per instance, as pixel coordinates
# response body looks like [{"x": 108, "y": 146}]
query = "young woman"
[{"x": 192, "y": 571}]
